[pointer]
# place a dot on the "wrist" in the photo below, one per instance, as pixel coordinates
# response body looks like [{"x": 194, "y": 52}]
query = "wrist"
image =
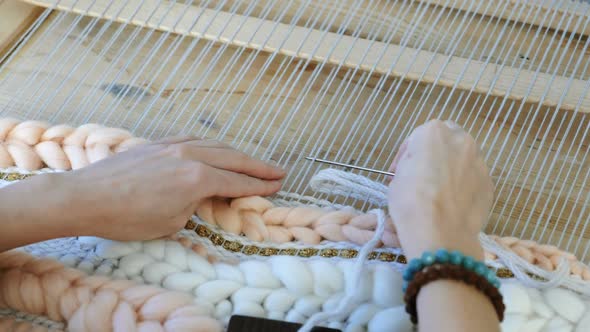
[
  {"x": 468, "y": 245},
  {"x": 34, "y": 210}
]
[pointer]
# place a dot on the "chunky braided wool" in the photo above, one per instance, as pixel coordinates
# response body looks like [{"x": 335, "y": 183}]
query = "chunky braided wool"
[
  {"x": 32, "y": 145},
  {"x": 286, "y": 288},
  {"x": 95, "y": 303},
  {"x": 259, "y": 220}
]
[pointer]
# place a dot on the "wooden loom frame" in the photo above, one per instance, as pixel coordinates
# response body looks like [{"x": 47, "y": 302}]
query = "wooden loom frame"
[{"x": 21, "y": 15}]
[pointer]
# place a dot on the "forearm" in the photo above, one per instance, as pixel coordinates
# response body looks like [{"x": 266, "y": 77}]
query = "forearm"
[
  {"x": 449, "y": 306},
  {"x": 34, "y": 210}
]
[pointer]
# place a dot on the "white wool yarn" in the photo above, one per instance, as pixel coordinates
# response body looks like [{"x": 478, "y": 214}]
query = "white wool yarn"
[{"x": 293, "y": 289}]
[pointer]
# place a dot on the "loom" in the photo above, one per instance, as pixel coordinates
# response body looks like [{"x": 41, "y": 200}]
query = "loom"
[{"x": 290, "y": 81}]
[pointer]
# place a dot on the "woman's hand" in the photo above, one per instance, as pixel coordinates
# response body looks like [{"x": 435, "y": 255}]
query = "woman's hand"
[
  {"x": 442, "y": 192},
  {"x": 152, "y": 190}
]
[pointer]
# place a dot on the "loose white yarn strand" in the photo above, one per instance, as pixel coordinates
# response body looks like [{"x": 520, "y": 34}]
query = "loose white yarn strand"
[{"x": 353, "y": 283}]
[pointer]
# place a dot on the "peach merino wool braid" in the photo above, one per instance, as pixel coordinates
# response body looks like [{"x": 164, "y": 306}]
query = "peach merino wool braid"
[
  {"x": 33, "y": 145},
  {"x": 87, "y": 303}
]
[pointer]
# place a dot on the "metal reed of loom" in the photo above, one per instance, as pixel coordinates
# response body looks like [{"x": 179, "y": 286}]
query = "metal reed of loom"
[{"x": 344, "y": 81}]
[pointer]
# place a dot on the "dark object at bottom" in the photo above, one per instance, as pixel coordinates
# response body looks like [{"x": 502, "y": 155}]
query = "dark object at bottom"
[{"x": 252, "y": 324}]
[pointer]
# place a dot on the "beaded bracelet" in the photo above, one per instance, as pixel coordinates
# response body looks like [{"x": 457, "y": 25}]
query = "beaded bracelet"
[
  {"x": 452, "y": 272},
  {"x": 443, "y": 256}
]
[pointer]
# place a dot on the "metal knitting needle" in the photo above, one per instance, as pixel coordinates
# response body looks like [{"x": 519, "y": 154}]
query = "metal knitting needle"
[{"x": 351, "y": 166}]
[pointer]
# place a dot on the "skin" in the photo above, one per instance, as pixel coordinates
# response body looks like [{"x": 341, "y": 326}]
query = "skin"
[
  {"x": 145, "y": 193},
  {"x": 440, "y": 197}
]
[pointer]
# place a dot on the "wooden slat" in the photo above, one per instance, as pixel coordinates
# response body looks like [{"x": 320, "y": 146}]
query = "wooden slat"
[
  {"x": 563, "y": 9},
  {"x": 15, "y": 18},
  {"x": 163, "y": 96},
  {"x": 408, "y": 63}
]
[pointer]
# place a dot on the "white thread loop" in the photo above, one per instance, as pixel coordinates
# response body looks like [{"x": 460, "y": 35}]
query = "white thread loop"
[
  {"x": 340, "y": 183},
  {"x": 353, "y": 283}
]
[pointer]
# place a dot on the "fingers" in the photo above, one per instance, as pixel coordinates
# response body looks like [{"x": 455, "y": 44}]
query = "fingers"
[
  {"x": 400, "y": 153},
  {"x": 230, "y": 184},
  {"x": 176, "y": 140},
  {"x": 224, "y": 157}
]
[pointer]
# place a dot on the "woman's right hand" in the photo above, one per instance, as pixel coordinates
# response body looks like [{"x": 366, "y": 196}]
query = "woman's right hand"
[{"x": 441, "y": 193}]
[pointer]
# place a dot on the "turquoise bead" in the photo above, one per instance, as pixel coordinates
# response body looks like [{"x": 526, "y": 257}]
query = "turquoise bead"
[
  {"x": 496, "y": 283},
  {"x": 428, "y": 258},
  {"x": 480, "y": 268},
  {"x": 415, "y": 265},
  {"x": 491, "y": 276},
  {"x": 455, "y": 257},
  {"x": 468, "y": 262},
  {"x": 442, "y": 256},
  {"x": 408, "y": 274}
]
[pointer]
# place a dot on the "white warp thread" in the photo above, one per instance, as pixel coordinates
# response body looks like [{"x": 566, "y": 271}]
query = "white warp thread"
[{"x": 353, "y": 284}]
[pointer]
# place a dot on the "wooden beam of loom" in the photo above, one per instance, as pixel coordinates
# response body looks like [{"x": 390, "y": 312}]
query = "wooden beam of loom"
[
  {"x": 566, "y": 8},
  {"x": 15, "y": 18},
  {"x": 397, "y": 61}
]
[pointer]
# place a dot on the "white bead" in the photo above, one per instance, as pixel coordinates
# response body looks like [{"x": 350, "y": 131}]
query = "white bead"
[
  {"x": 513, "y": 322},
  {"x": 216, "y": 290},
  {"x": 308, "y": 305},
  {"x": 363, "y": 313},
  {"x": 250, "y": 294},
  {"x": 279, "y": 300},
  {"x": 293, "y": 273},
  {"x": 248, "y": 308},
  {"x": 155, "y": 248},
  {"x": 387, "y": 286},
  {"x": 392, "y": 319},
  {"x": 276, "y": 315},
  {"x": 565, "y": 303},
  {"x": 516, "y": 298},
  {"x": 156, "y": 272},
  {"x": 584, "y": 323},
  {"x": 223, "y": 309},
  {"x": 200, "y": 265},
  {"x": 113, "y": 249},
  {"x": 229, "y": 272},
  {"x": 539, "y": 305},
  {"x": 133, "y": 264},
  {"x": 176, "y": 254},
  {"x": 327, "y": 278},
  {"x": 259, "y": 274},
  {"x": 295, "y": 317},
  {"x": 183, "y": 281}
]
